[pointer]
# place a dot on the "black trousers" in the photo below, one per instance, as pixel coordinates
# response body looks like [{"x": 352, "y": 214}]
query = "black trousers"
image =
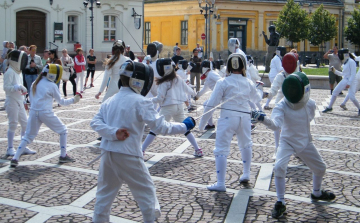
[{"x": 72, "y": 80}]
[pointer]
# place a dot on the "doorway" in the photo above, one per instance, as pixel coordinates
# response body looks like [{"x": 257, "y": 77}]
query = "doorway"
[{"x": 237, "y": 29}]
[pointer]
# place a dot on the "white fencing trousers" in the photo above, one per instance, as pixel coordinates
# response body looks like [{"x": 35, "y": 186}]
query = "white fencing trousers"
[
  {"x": 310, "y": 156},
  {"x": 173, "y": 111},
  {"x": 36, "y": 118},
  {"x": 210, "y": 121},
  {"x": 351, "y": 92},
  {"x": 80, "y": 80},
  {"x": 16, "y": 114},
  {"x": 269, "y": 98},
  {"x": 227, "y": 127},
  {"x": 116, "y": 169}
]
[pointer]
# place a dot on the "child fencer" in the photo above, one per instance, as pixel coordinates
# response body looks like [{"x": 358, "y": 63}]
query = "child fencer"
[
  {"x": 171, "y": 94},
  {"x": 183, "y": 72},
  {"x": 43, "y": 91},
  {"x": 293, "y": 115},
  {"x": 14, "y": 102},
  {"x": 348, "y": 81},
  {"x": 275, "y": 68},
  {"x": 210, "y": 77},
  {"x": 121, "y": 122},
  {"x": 234, "y": 91},
  {"x": 255, "y": 78},
  {"x": 289, "y": 64}
]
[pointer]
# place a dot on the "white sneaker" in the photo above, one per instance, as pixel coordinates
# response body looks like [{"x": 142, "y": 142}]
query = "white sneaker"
[
  {"x": 274, "y": 156},
  {"x": 245, "y": 178},
  {"x": 198, "y": 153},
  {"x": 216, "y": 187},
  {"x": 28, "y": 151},
  {"x": 10, "y": 152}
]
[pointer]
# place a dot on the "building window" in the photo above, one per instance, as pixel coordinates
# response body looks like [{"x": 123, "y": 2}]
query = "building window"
[
  {"x": 109, "y": 28},
  {"x": 72, "y": 28},
  {"x": 147, "y": 33},
  {"x": 184, "y": 32}
]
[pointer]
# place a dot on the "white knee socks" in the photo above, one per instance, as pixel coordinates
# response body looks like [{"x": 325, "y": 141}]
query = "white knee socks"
[
  {"x": 149, "y": 139},
  {"x": 268, "y": 101},
  {"x": 220, "y": 163},
  {"x": 277, "y": 138},
  {"x": 192, "y": 140},
  {"x": 332, "y": 101},
  {"x": 211, "y": 122},
  {"x": 246, "y": 155},
  {"x": 317, "y": 185},
  {"x": 63, "y": 142},
  {"x": 20, "y": 150},
  {"x": 280, "y": 188},
  {"x": 10, "y": 136}
]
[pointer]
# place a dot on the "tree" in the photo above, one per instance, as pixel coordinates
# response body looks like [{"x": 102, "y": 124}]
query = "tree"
[
  {"x": 322, "y": 26},
  {"x": 293, "y": 22},
  {"x": 353, "y": 29}
]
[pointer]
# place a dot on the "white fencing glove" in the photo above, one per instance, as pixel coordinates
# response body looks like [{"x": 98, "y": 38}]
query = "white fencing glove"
[{"x": 76, "y": 98}]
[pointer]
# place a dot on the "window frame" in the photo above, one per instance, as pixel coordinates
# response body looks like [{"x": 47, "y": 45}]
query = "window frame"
[
  {"x": 73, "y": 31},
  {"x": 184, "y": 30},
  {"x": 147, "y": 30},
  {"x": 109, "y": 28}
]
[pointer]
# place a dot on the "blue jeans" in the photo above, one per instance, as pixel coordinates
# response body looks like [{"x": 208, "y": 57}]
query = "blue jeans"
[{"x": 29, "y": 80}]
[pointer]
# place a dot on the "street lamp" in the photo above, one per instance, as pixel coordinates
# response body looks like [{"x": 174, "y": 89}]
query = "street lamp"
[
  {"x": 208, "y": 11},
  {"x": 91, "y": 8}
]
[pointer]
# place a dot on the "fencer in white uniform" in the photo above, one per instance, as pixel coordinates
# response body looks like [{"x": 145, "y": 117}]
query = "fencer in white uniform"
[
  {"x": 289, "y": 64},
  {"x": 42, "y": 93},
  {"x": 255, "y": 78},
  {"x": 171, "y": 94},
  {"x": 356, "y": 81},
  {"x": 112, "y": 70},
  {"x": 14, "y": 102},
  {"x": 234, "y": 91},
  {"x": 275, "y": 68},
  {"x": 293, "y": 115},
  {"x": 348, "y": 74},
  {"x": 210, "y": 77},
  {"x": 122, "y": 161},
  {"x": 184, "y": 73},
  {"x": 154, "y": 49}
]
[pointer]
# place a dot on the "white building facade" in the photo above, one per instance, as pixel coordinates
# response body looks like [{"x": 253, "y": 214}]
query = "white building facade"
[{"x": 50, "y": 24}]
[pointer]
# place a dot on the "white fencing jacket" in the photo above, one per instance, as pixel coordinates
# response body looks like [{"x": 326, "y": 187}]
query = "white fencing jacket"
[
  {"x": 349, "y": 71},
  {"x": 181, "y": 73},
  {"x": 276, "y": 86},
  {"x": 46, "y": 92},
  {"x": 173, "y": 92},
  {"x": 12, "y": 78},
  {"x": 237, "y": 90},
  {"x": 210, "y": 81},
  {"x": 131, "y": 111},
  {"x": 254, "y": 73},
  {"x": 275, "y": 66},
  {"x": 294, "y": 124}
]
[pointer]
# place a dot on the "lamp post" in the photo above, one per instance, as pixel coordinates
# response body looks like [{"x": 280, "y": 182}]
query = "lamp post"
[
  {"x": 208, "y": 11},
  {"x": 91, "y": 8}
]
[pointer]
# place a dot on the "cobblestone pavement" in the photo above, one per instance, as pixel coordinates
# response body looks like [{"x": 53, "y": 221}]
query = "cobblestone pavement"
[{"x": 41, "y": 190}]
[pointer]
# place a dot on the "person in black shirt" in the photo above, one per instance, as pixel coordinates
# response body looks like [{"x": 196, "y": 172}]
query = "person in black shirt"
[
  {"x": 195, "y": 72},
  {"x": 91, "y": 61},
  {"x": 177, "y": 57}
]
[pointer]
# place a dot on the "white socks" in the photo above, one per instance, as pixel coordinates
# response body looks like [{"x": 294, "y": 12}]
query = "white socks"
[
  {"x": 280, "y": 188},
  {"x": 149, "y": 139},
  {"x": 20, "y": 150},
  {"x": 10, "y": 136},
  {"x": 246, "y": 155},
  {"x": 277, "y": 137},
  {"x": 220, "y": 163},
  {"x": 211, "y": 122},
  {"x": 63, "y": 142},
  {"x": 268, "y": 101},
  {"x": 317, "y": 185},
  {"x": 192, "y": 140},
  {"x": 332, "y": 101}
]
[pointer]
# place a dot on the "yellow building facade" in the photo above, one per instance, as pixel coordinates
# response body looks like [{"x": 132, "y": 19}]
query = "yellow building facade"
[{"x": 165, "y": 22}]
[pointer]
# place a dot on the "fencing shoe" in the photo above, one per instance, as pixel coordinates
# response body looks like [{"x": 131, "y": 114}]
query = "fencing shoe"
[
  {"x": 198, "y": 153},
  {"x": 10, "y": 152},
  {"x": 278, "y": 210},
  {"x": 325, "y": 196},
  {"x": 66, "y": 159},
  {"x": 245, "y": 178},
  {"x": 28, "y": 151},
  {"x": 216, "y": 187}
]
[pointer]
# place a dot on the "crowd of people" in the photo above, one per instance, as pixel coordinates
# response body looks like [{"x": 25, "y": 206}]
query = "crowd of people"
[{"x": 155, "y": 92}]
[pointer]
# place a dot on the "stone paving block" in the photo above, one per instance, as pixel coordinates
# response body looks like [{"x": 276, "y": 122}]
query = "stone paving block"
[
  {"x": 334, "y": 143},
  {"x": 345, "y": 187},
  {"x": 4, "y": 129},
  {"x": 335, "y": 131},
  {"x": 201, "y": 171},
  {"x": 73, "y": 137},
  {"x": 84, "y": 155},
  {"x": 3, "y": 118},
  {"x": 165, "y": 145},
  {"x": 260, "y": 207},
  {"x": 42, "y": 149},
  {"x": 353, "y": 122},
  {"x": 45, "y": 186},
  {"x": 77, "y": 114},
  {"x": 83, "y": 125},
  {"x": 177, "y": 203},
  {"x": 14, "y": 214},
  {"x": 71, "y": 218}
]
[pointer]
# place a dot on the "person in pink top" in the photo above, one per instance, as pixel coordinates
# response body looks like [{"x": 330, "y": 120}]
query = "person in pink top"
[{"x": 80, "y": 68}]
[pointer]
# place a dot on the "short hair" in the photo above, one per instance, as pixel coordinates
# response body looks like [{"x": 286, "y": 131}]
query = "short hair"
[
  {"x": 176, "y": 43},
  {"x": 23, "y": 48},
  {"x": 178, "y": 48},
  {"x": 64, "y": 50},
  {"x": 78, "y": 50},
  {"x": 46, "y": 51},
  {"x": 90, "y": 50},
  {"x": 32, "y": 46},
  {"x": 293, "y": 51},
  {"x": 195, "y": 50}
]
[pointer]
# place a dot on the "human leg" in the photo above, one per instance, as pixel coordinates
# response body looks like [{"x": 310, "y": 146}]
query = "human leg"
[
  {"x": 341, "y": 86},
  {"x": 243, "y": 134},
  {"x": 64, "y": 88},
  {"x": 198, "y": 81},
  {"x": 72, "y": 81}
]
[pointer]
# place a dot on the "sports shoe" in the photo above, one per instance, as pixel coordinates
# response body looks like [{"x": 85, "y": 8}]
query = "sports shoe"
[
  {"x": 325, "y": 196},
  {"x": 278, "y": 210},
  {"x": 81, "y": 92},
  {"x": 99, "y": 139},
  {"x": 66, "y": 159},
  {"x": 327, "y": 110},
  {"x": 245, "y": 178},
  {"x": 10, "y": 152},
  {"x": 209, "y": 126},
  {"x": 191, "y": 109},
  {"x": 91, "y": 85},
  {"x": 341, "y": 93},
  {"x": 28, "y": 151},
  {"x": 253, "y": 127},
  {"x": 14, "y": 163},
  {"x": 84, "y": 86},
  {"x": 274, "y": 156},
  {"x": 198, "y": 153},
  {"x": 267, "y": 108},
  {"x": 216, "y": 187},
  {"x": 343, "y": 107}
]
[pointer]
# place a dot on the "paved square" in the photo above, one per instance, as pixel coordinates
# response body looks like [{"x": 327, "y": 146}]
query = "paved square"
[{"x": 41, "y": 190}]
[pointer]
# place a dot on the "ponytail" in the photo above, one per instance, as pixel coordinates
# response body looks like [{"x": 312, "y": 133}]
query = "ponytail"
[{"x": 37, "y": 81}]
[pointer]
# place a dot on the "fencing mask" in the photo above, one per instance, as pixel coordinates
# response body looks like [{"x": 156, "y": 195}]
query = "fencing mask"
[
  {"x": 289, "y": 63},
  {"x": 236, "y": 62},
  {"x": 280, "y": 51},
  {"x": 183, "y": 64},
  {"x": 343, "y": 54},
  {"x": 296, "y": 89},
  {"x": 233, "y": 43},
  {"x": 54, "y": 72},
  {"x": 17, "y": 60},
  {"x": 164, "y": 66}
]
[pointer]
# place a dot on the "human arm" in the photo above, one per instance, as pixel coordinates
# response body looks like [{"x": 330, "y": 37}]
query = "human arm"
[
  {"x": 352, "y": 72},
  {"x": 267, "y": 41},
  {"x": 161, "y": 93},
  {"x": 57, "y": 96},
  {"x": 339, "y": 73},
  {"x": 276, "y": 85},
  {"x": 104, "y": 81},
  {"x": 9, "y": 86},
  {"x": 203, "y": 90},
  {"x": 79, "y": 63},
  {"x": 276, "y": 120},
  {"x": 256, "y": 94},
  {"x": 38, "y": 62},
  {"x": 327, "y": 54}
]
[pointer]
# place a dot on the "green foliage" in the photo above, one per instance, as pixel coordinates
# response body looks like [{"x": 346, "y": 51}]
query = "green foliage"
[
  {"x": 322, "y": 26},
  {"x": 353, "y": 29},
  {"x": 293, "y": 22}
]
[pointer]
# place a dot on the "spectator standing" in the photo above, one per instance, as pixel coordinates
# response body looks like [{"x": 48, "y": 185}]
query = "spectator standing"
[
  {"x": 68, "y": 63},
  {"x": 45, "y": 59},
  {"x": 200, "y": 50},
  {"x": 177, "y": 56},
  {"x": 127, "y": 51},
  {"x": 195, "y": 72},
  {"x": 175, "y": 48},
  {"x": 12, "y": 45},
  {"x": 79, "y": 68},
  {"x": 334, "y": 61},
  {"x": 34, "y": 66},
  {"x": 91, "y": 61},
  {"x": 3, "y": 55},
  {"x": 53, "y": 58}
]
